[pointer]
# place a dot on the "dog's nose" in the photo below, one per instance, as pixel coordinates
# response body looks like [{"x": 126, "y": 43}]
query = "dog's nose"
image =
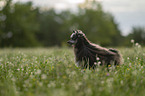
[{"x": 69, "y": 42}]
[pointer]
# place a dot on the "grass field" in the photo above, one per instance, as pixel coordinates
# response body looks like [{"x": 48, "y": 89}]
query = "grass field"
[{"x": 52, "y": 72}]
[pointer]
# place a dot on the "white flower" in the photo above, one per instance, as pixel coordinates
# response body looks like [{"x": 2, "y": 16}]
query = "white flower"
[
  {"x": 136, "y": 44},
  {"x": 38, "y": 71},
  {"x": 99, "y": 63},
  {"x": 132, "y": 41},
  {"x": 43, "y": 76},
  {"x": 95, "y": 63},
  {"x": 102, "y": 82},
  {"x": 121, "y": 82},
  {"x": 128, "y": 58},
  {"x": 51, "y": 84},
  {"x": 98, "y": 58},
  {"x": 18, "y": 69},
  {"x": 40, "y": 83}
]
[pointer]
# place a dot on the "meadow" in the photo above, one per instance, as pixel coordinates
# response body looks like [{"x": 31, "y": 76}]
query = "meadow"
[{"x": 52, "y": 72}]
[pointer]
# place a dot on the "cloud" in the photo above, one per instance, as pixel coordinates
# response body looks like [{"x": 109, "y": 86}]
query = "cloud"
[{"x": 124, "y": 5}]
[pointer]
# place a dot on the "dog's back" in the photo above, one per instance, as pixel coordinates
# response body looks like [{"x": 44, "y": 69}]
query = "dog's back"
[{"x": 91, "y": 54}]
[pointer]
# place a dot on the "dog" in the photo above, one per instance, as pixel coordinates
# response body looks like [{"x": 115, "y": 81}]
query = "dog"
[{"x": 89, "y": 55}]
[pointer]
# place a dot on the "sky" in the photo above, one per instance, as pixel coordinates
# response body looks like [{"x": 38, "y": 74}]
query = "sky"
[{"x": 127, "y": 13}]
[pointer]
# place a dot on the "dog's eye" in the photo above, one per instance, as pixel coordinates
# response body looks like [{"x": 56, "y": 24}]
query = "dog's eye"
[{"x": 74, "y": 37}]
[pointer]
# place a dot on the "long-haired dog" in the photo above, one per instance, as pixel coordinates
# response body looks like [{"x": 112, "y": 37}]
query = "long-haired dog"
[{"x": 88, "y": 55}]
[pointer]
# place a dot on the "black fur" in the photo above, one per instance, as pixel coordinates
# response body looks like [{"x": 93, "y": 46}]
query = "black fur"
[{"x": 89, "y": 55}]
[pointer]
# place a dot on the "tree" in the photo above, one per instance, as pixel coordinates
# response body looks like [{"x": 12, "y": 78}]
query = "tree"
[
  {"x": 20, "y": 25},
  {"x": 99, "y": 26},
  {"x": 54, "y": 27},
  {"x": 137, "y": 34}
]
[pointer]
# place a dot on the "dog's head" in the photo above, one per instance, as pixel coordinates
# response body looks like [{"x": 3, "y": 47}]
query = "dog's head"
[{"x": 75, "y": 36}]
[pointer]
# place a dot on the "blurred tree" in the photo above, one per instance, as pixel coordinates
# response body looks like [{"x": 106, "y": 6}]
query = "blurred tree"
[
  {"x": 54, "y": 27},
  {"x": 19, "y": 26},
  {"x": 22, "y": 25},
  {"x": 99, "y": 26},
  {"x": 137, "y": 34}
]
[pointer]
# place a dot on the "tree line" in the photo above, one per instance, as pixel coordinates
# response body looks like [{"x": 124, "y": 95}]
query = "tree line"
[{"x": 23, "y": 25}]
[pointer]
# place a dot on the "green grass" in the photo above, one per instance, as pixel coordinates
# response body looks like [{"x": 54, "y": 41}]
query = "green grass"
[{"x": 52, "y": 72}]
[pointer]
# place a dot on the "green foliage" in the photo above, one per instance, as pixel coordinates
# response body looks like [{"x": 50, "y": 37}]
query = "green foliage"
[
  {"x": 20, "y": 25},
  {"x": 98, "y": 26},
  {"x": 54, "y": 28},
  {"x": 23, "y": 25},
  {"x": 137, "y": 34},
  {"x": 49, "y": 72}
]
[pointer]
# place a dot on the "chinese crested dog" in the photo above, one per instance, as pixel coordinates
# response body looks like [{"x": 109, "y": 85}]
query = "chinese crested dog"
[{"x": 89, "y": 55}]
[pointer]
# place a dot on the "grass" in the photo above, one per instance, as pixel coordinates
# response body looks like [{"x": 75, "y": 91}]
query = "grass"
[{"x": 52, "y": 72}]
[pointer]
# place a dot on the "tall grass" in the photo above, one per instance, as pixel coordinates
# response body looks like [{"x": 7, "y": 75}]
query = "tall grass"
[{"x": 52, "y": 72}]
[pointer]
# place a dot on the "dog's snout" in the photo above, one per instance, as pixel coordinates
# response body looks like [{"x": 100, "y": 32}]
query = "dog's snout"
[
  {"x": 68, "y": 41},
  {"x": 71, "y": 42}
]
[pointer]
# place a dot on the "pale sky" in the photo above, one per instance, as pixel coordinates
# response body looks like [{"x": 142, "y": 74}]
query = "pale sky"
[{"x": 127, "y": 13}]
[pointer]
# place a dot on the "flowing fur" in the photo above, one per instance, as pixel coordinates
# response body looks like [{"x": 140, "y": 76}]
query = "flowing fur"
[{"x": 88, "y": 54}]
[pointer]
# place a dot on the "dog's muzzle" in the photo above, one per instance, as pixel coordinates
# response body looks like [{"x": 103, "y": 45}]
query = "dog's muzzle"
[{"x": 71, "y": 42}]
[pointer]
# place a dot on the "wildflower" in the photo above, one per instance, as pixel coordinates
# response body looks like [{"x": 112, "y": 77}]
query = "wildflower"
[
  {"x": 52, "y": 67},
  {"x": 139, "y": 46},
  {"x": 107, "y": 74},
  {"x": 40, "y": 83},
  {"x": 136, "y": 44},
  {"x": 38, "y": 71},
  {"x": 34, "y": 79},
  {"x": 64, "y": 77},
  {"x": 62, "y": 84},
  {"x": 95, "y": 63},
  {"x": 128, "y": 58},
  {"x": 127, "y": 68},
  {"x": 121, "y": 82},
  {"x": 80, "y": 83},
  {"x": 73, "y": 72},
  {"x": 70, "y": 66},
  {"x": 18, "y": 69},
  {"x": 99, "y": 63},
  {"x": 51, "y": 84},
  {"x": 132, "y": 41},
  {"x": 43, "y": 76},
  {"x": 102, "y": 82},
  {"x": 109, "y": 65},
  {"x": 136, "y": 58},
  {"x": 98, "y": 58},
  {"x": 117, "y": 65}
]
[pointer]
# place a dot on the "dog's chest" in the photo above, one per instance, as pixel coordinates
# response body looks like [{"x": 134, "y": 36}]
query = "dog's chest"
[{"x": 80, "y": 54}]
